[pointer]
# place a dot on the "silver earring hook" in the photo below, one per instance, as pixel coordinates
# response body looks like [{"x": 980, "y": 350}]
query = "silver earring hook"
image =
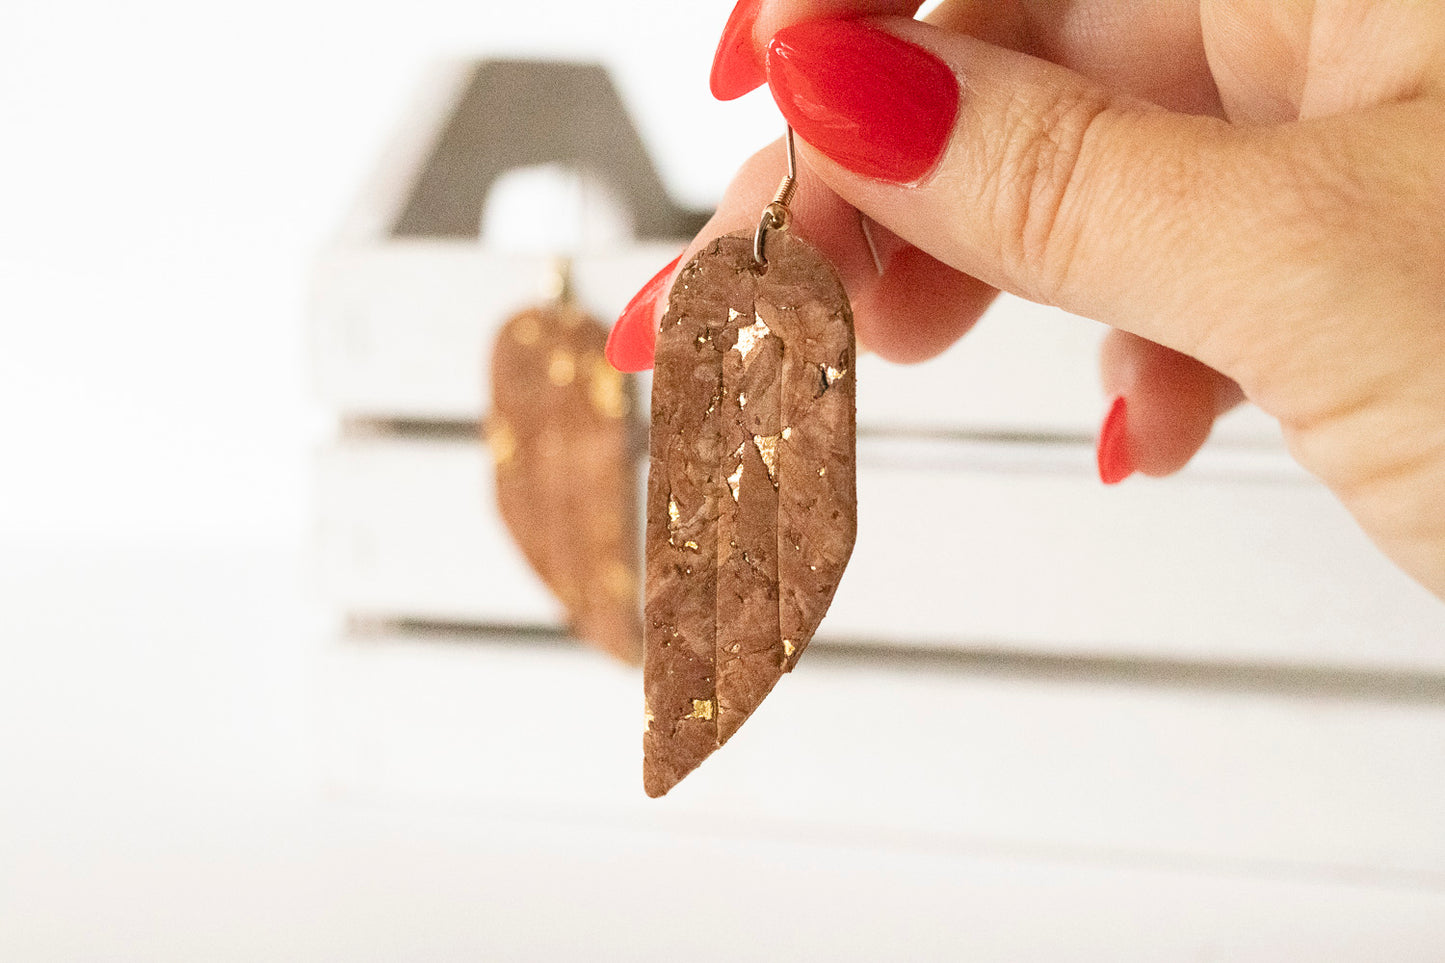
[{"x": 776, "y": 215}]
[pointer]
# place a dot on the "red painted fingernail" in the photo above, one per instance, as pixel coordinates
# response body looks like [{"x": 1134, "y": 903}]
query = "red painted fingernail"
[
  {"x": 735, "y": 67},
  {"x": 1116, "y": 463},
  {"x": 874, "y": 103},
  {"x": 634, "y": 336}
]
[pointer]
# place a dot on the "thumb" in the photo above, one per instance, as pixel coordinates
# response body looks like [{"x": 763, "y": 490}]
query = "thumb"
[{"x": 1041, "y": 182}]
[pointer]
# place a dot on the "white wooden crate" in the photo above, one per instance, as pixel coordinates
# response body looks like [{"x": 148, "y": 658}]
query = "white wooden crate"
[
  {"x": 1033, "y": 553},
  {"x": 959, "y": 545},
  {"x": 401, "y": 323}
]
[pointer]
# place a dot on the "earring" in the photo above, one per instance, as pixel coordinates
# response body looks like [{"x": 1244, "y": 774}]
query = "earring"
[
  {"x": 751, "y": 496},
  {"x": 560, "y": 435}
]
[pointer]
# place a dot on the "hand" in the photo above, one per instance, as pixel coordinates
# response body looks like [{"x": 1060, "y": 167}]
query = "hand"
[{"x": 1251, "y": 193}]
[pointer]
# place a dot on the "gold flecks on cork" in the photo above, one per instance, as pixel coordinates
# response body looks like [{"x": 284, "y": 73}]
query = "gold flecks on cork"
[
  {"x": 674, "y": 526},
  {"x": 501, "y": 440},
  {"x": 561, "y": 368},
  {"x": 767, "y": 446},
  {"x": 735, "y": 481},
  {"x": 701, "y": 709},
  {"x": 750, "y": 337},
  {"x": 526, "y": 330},
  {"x": 606, "y": 388}
]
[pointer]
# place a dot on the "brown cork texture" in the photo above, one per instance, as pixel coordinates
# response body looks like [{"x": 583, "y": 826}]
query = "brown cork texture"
[
  {"x": 560, "y": 435},
  {"x": 751, "y": 499}
]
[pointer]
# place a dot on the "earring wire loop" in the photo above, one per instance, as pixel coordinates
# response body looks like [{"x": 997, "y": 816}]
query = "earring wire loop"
[{"x": 776, "y": 216}]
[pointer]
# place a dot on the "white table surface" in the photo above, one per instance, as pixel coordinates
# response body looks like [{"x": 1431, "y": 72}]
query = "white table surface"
[{"x": 160, "y": 801}]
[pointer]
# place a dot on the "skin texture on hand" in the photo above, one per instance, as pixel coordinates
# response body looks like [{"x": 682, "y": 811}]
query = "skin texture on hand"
[{"x": 1251, "y": 192}]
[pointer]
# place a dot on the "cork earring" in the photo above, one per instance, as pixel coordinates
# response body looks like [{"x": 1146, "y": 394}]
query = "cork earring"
[
  {"x": 751, "y": 496},
  {"x": 562, "y": 444}
]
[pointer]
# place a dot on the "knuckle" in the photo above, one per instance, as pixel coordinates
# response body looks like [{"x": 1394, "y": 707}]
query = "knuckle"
[{"x": 1031, "y": 179}]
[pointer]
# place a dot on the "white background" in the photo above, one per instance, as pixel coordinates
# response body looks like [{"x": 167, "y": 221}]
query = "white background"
[{"x": 167, "y": 171}]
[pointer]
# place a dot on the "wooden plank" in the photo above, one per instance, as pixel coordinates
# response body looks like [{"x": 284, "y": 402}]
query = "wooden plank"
[
  {"x": 400, "y": 329},
  {"x": 1035, "y": 556},
  {"x": 404, "y": 330},
  {"x": 1025, "y": 369},
  {"x": 411, "y": 530},
  {"x": 864, "y": 752}
]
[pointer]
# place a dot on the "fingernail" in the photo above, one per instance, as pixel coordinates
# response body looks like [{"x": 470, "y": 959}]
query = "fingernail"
[
  {"x": 874, "y": 103},
  {"x": 1116, "y": 463},
  {"x": 735, "y": 66},
  {"x": 634, "y": 336}
]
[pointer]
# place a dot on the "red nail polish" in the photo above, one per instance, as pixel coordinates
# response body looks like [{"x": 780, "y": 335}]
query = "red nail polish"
[
  {"x": 1116, "y": 462},
  {"x": 874, "y": 103},
  {"x": 633, "y": 339},
  {"x": 736, "y": 69}
]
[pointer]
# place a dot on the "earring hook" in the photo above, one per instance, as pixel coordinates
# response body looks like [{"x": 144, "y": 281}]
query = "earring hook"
[{"x": 776, "y": 216}]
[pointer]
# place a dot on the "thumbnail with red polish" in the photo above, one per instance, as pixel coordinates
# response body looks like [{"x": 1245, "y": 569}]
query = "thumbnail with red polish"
[
  {"x": 1116, "y": 461},
  {"x": 878, "y": 105},
  {"x": 736, "y": 69},
  {"x": 633, "y": 339}
]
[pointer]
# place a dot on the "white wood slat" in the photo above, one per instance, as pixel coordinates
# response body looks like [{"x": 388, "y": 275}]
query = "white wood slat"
[
  {"x": 973, "y": 545},
  {"x": 409, "y": 529},
  {"x": 403, "y": 330},
  {"x": 1024, "y": 369},
  {"x": 851, "y": 753}
]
